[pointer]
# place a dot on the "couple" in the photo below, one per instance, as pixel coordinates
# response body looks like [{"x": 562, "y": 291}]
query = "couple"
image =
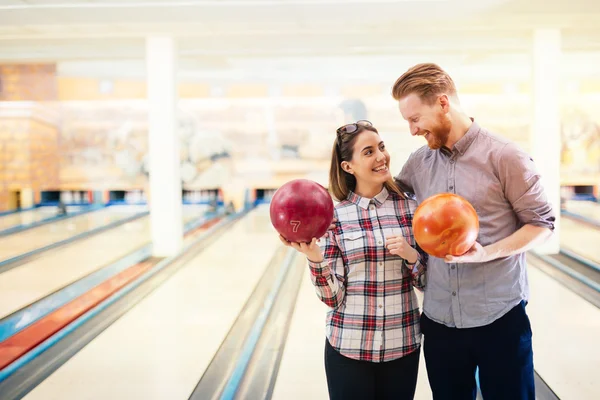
[{"x": 365, "y": 268}]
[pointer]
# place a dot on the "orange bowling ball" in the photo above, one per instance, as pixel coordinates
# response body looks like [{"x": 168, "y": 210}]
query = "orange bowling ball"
[{"x": 445, "y": 224}]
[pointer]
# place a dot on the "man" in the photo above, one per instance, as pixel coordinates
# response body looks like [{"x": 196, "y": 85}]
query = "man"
[{"x": 474, "y": 305}]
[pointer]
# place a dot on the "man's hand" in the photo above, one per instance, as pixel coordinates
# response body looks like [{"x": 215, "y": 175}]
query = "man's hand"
[{"x": 477, "y": 253}]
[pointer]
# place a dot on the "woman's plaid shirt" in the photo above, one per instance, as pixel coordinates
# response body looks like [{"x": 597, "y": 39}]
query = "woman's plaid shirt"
[{"x": 374, "y": 312}]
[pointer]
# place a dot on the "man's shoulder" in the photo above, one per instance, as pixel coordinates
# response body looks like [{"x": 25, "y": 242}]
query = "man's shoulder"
[
  {"x": 501, "y": 149},
  {"x": 421, "y": 153},
  {"x": 494, "y": 140},
  {"x": 415, "y": 162}
]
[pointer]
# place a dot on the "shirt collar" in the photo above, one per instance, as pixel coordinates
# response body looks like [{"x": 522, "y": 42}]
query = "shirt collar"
[
  {"x": 464, "y": 142},
  {"x": 363, "y": 202}
]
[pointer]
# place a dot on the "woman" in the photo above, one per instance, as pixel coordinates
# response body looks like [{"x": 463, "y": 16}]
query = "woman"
[{"x": 365, "y": 270}]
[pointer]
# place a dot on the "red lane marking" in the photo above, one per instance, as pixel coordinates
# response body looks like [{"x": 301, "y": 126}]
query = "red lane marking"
[
  {"x": 23, "y": 341},
  {"x": 204, "y": 226},
  {"x": 26, "y": 339}
]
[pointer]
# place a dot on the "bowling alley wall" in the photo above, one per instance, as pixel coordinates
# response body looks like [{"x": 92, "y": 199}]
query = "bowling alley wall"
[
  {"x": 79, "y": 133},
  {"x": 29, "y": 133}
]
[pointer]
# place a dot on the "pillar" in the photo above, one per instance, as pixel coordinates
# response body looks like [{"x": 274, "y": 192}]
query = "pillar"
[
  {"x": 27, "y": 198},
  {"x": 165, "y": 182},
  {"x": 546, "y": 140}
]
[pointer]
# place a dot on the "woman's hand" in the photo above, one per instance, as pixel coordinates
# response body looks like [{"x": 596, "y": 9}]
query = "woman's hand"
[
  {"x": 397, "y": 245},
  {"x": 311, "y": 250}
]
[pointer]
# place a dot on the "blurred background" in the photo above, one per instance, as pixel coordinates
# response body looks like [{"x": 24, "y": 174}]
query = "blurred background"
[
  {"x": 89, "y": 305},
  {"x": 262, "y": 85}
]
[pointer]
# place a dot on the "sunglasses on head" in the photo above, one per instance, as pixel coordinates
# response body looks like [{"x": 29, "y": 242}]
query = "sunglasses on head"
[{"x": 351, "y": 128}]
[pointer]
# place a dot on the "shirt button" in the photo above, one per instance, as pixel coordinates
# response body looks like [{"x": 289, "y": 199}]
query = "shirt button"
[
  {"x": 453, "y": 267},
  {"x": 380, "y": 306},
  {"x": 451, "y": 161},
  {"x": 381, "y": 264},
  {"x": 453, "y": 293},
  {"x": 451, "y": 187},
  {"x": 379, "y": 242},
  {"x": 372, "y": 207}
]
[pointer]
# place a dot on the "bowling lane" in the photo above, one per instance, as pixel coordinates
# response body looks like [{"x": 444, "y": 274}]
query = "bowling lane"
[
  {"x": 160, "y": 349},
  {"x": 41, "y": 276},
  {"x": 302, "y": 370},
  {"x": 566, "y": 329},
  {"x": 580, "y": 238},
  {"x": 588, "y": 209},
  {"x": 31, "y": 239},
  {"x": 34, "y": 215}
]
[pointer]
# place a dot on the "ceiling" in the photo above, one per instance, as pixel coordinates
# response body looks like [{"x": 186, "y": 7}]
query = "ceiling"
[{"x": 273, "y": 39}]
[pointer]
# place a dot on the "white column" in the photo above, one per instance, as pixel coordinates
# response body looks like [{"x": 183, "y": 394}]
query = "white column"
[
  {"x": 546, "y": 121},
  {"x": 27, "y": 198},
  {"x": 272, "y": 137},
  {"x": 165, "y": 181}
]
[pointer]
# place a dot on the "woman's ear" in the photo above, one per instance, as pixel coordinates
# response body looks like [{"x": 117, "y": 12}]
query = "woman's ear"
[{"x": 347, "y": 167}]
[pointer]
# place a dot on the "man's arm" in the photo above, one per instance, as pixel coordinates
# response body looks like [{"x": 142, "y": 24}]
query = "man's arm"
[
  {"x": 523, "y": 189},
  {"x": 525, "y": 239}
]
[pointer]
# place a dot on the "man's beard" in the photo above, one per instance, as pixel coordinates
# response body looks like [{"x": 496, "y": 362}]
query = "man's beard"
[{"x": 440, "y": 133}]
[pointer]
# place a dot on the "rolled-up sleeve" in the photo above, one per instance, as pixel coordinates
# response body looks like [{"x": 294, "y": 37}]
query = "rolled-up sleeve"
[
  {"x": 523, "y": 188},
  {"x": 419, "y": 269}
]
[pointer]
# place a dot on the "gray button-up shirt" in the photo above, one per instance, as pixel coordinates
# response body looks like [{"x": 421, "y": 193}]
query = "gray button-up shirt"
[{"x": 501, "y": 182}]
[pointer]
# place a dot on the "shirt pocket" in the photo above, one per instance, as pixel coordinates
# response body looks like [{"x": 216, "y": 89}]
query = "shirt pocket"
[
  {"x": 353, "y": 243},
  {"x": 353, "y": 250}
]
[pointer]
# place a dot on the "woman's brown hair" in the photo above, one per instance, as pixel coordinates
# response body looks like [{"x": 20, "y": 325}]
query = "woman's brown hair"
[{"x": 340, "y": 181}]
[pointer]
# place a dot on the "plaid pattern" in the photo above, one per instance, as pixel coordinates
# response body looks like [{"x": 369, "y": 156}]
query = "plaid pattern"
[{"x": 374, "y": 312}]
